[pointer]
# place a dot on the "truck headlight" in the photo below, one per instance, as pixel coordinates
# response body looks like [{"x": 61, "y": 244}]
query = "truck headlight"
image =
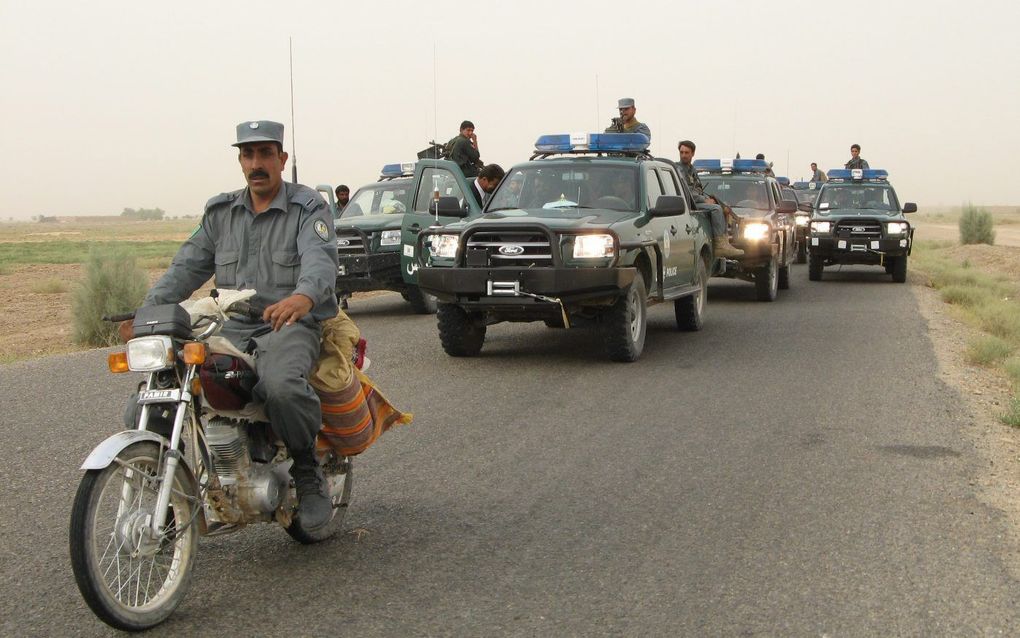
[
  {"x": 148, "y": 354},
  {"x": 445, "y": 246},
  {"x": 389, "y": 238},
  {"x": 802, "y": 220},
  {"x": 594, "y": 246},
  {"x": 756, "y": 231},
  {"x": 821, "y": 227},
  {"x": 896, "y": 228}
]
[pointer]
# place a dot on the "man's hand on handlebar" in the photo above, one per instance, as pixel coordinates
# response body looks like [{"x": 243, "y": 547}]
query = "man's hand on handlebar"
[
  {"x": 126, "y": 330},
  {"x": 287, "y": 311}
]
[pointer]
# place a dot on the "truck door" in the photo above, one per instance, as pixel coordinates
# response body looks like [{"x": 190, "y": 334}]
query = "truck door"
[
  {"x": 671, "y": 234},
  {"x": 433, "y": 179}
]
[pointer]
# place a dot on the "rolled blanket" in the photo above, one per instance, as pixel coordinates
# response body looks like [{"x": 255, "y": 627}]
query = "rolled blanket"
[{"x": 354, "y": 412}]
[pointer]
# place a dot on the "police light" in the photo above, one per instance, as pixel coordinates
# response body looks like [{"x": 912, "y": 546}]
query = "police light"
[
  {"x": 785, "y": 181},
  {"x": 802, "y": 186},
  {"x": 405, "y": 169},
  {"x": 593, "y": 142},
  {"x": 858, "y": 174},
  {"x": 731, "y": 166}
]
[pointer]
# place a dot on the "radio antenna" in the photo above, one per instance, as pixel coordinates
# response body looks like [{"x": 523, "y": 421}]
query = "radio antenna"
[
  {"x": 435, "y": 124},
  {"x": 596, "y": 102},
  {"x": 293, "y": 133}
]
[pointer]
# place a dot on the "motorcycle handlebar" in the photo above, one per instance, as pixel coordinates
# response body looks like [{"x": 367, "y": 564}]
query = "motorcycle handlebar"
[
  {"x": 246, "y": 309},
  {"x": 118, "y": 318}
]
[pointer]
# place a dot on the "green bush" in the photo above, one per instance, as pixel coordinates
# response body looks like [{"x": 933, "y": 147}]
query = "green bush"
[
  {"x": 113, "y": 283},
  {"x": 1012, "y": 414},
  {"x": 976, "y": 226},
  {"x": 1012, "y": 368},
  {"x": 966, "y": 296},
  {"x": 1000, "y": 318},
  {"x": 986, "y": 350}
]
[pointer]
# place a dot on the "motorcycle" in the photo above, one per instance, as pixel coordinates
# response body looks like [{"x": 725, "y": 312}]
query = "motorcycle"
[{"x": 146, "y": 497}]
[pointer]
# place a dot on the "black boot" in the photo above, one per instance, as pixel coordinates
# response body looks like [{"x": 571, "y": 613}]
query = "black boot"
[{"x": 315, "y": 508}]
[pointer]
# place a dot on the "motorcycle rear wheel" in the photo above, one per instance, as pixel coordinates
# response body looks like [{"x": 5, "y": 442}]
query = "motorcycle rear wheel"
[
  {"x": 131, "y": 582},
  {"x": 338, "y": 473}
]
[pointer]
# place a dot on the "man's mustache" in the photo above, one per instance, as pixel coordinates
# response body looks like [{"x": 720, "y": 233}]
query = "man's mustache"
[{"x": 257, "y": 174}]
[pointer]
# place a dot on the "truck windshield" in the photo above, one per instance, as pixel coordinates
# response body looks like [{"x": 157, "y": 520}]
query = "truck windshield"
[
  {"x": 376, "y": 200},
  {"x": 869, "y": 196},
  {"x": 568, "y": 186},
  {"x": 738, "y": 192}
]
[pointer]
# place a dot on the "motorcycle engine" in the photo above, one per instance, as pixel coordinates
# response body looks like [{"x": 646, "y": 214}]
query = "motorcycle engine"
[{"x": 257, "y": 487}]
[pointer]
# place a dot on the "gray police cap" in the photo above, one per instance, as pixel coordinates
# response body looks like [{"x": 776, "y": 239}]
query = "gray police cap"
[
  {"x": 625, "y": 102},
  {"x": 260, "y": 131}
]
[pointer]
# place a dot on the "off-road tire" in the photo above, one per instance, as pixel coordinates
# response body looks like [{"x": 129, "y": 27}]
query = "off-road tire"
[
  {"x": 784, "y": 277},
  {"x": 766, "y": 280},
  {"x": 815, "y": 266},
  {"x": 899, "y": 269},
  {"x": 421, "y": 302},
  {"x": 802, "y": 251},
  {"x": 625, "y": 324},
  {"x": 461, "y": 334},
  {"x": 690, "y": 310}
]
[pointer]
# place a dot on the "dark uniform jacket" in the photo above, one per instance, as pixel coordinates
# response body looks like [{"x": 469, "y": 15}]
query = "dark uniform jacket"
[
  {"x": 857, "y": 162},
  {"x": 289, "y": 248},
  {"x": 465, "y": 155}
]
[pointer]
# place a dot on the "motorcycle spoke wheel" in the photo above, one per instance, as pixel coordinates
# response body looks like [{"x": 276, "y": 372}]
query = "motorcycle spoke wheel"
[{"x": 129, "y": 579}]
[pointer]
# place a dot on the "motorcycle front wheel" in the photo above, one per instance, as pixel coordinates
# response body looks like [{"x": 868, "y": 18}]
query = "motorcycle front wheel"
[{"x": 129, "y": 579}]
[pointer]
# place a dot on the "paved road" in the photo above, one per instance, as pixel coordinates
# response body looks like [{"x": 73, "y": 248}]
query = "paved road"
[{"x": 795, "y": 469}]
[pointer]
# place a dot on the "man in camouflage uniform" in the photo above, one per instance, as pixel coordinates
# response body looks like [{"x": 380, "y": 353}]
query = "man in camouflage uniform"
[
  {"x": 277, "y": 238},
  {"x": 720, "y": 240},
  {"x": 627, "y": 123},
  {"x": 463, "y": 150},
  {"x": 856, "y": 161}
]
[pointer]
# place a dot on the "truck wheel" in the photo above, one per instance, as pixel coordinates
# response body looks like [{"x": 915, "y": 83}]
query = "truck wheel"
[
  {"x": 690, "y": 310},
  {"x": 814, "y": 272},
  {"x": 461, "y": 334},
  {"x": 422, "y": 302},
  {"x": 766, "y": 280},
  {"x": 625, "y": 323},
  {"x": 899, "y": 269},
  {"x": 784, "y": 277},
  {"x": 802, "y": 251}
]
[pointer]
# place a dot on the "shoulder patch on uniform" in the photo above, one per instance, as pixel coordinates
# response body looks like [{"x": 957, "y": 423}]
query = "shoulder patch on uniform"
[
  {"x": 222, "y": 198},
  {"x": 321, "y": 229}
]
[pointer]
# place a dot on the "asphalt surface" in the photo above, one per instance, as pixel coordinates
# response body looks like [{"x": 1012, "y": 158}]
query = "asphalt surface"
[{"x": 795, "y": 469}]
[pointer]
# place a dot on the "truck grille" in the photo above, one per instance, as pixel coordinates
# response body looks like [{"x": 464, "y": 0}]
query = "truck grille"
[
  {"x": 858, "y": 229},
  {"x": 521, "y": 248},
  {"x": 350, "y": 241}
]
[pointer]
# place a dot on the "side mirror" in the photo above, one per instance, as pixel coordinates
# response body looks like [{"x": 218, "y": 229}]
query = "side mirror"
[
  {"x": 910, "y": 207},
  {"x": 786, "y": 206},
  {"x": 668, "y": 205},
  {"x": 449, "y": 207},
  {"x": 804, "y": 207}
]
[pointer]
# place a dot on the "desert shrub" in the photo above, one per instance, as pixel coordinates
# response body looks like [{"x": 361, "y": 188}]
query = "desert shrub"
[
  {"x": 1000, "y": 318},
  {"x": 966, "y": 296},
  {"x": 1012, "y": 368},
  {"x": 986, "y": 350},
  {"x": 50, "y": 287},
  {"x": 1012, "y": 414},
  {"x": 113, "y": 283},
  {"x": 976, "y": 226}
]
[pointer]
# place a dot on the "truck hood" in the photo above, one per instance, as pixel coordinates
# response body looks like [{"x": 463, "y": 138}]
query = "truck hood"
[
  {"x": 833, "y": 214},
  {"x": 750, "y": 212},
  {"x": 371, "y": 223},
  {"x": 554, "y": 219}
]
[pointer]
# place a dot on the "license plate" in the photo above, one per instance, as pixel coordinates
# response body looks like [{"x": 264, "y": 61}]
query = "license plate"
[
  {"x": 159, "y": 396},
  {"x": 858, "y": 248},
  {"x": 341, "y": 270}
]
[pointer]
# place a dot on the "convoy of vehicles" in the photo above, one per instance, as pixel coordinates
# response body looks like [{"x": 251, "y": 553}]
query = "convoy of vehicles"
[
  {"x": 763, "y": 226},
  {"x": 592, "y": 230},
  {"x": 857, "y": 219}
]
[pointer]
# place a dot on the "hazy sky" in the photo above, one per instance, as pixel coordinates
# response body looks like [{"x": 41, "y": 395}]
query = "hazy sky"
[{"x": 107, "y": 105}]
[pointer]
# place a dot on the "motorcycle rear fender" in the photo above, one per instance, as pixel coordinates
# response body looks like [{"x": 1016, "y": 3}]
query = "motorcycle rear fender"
[{"x": 105, "y": 452}]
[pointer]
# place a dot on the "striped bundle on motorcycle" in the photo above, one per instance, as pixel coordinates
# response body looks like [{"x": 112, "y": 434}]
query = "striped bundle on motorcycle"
[{"x": 353, "y": 418}]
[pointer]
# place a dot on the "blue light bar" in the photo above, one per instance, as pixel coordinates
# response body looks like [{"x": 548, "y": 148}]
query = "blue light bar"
[
  {"x": 785, "y": 181},
  {"x": 801, "y": 186},
  {"x": 857, "y": 174},
  {"x": 593, "y": 142},
  {"x": 731, "y": 166},
  {"x": 398, "y": 170}
]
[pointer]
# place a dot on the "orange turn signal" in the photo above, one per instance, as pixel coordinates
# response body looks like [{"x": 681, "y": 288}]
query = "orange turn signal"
[
  {"x": 196, "y": 387},
  {"x": 194, "y": 353},
  {"x": 117, "y": 362}
]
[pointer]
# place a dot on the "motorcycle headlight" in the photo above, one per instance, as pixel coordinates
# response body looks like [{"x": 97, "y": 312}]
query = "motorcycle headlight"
[
  {"x": 389, "y": 238},
  {"x": 896, "y": 228},
  {"x": 821, "y": 227},
  {"x": 148, "y": 354},
  {"x": 756, "y": 231},
  {"x": 594, "y": 246},
  {"x": 802, "y": 220},
  {"x": 445, "y": 246}
]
